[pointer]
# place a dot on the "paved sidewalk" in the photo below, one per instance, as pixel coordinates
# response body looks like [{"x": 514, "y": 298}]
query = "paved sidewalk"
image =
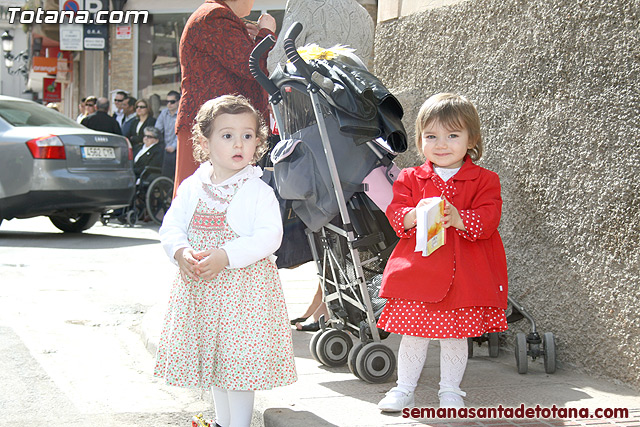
[{"x": 334, "y": 397}]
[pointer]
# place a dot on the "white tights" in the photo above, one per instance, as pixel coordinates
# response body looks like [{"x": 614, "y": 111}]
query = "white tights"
[
  {"x": 234, "y": 408},
  {"x": 413, "y": 353}
]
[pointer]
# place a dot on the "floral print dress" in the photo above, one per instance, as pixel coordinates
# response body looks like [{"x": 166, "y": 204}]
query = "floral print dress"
[{"x": 231, "y": 332}]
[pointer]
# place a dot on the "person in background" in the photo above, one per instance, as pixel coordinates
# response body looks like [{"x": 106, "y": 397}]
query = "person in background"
[
  {"x": 459, "y": 290},
  {"x": 226, "y": 326},
  {"x": 89, "y": 106},
  {"x": 327, "y": 23},
  {"x": 150, "y": 152},
  {"x": 129, "y": 109},
  {"x": 144, "y": 118},
  {"x": 101, "y": 120},
  {"x": 167, "y": 124},
  {"x": 118, "y": 113},
  {"x": 81, "y": 109},
  {"x": 214, "y": 58}
]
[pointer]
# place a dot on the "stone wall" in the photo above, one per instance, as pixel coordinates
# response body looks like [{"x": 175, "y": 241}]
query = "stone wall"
[{"x": 557, "y": 86}]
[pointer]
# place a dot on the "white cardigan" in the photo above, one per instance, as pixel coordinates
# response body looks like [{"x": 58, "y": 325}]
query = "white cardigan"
[{"x": 254, "y": 214}]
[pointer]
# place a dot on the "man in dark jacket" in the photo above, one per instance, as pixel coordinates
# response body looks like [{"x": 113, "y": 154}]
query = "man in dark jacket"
[{"x": 101, "y": 120}]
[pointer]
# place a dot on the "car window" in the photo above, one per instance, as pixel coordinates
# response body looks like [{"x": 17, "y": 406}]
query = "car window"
[{"x": 20, "y": 113}]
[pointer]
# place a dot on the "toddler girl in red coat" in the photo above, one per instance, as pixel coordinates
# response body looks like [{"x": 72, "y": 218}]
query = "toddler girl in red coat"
[{"x": 460, "y": 290}]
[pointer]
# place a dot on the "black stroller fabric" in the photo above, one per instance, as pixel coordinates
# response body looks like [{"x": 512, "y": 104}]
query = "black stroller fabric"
[
  {"x": 363, "y": 106},
  {"x": 302, "y": 173},
  {"x": 295, "y": 249}
]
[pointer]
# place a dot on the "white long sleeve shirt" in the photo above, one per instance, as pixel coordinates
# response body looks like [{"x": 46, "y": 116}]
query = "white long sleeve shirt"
[{"x": 253, "y": 213}]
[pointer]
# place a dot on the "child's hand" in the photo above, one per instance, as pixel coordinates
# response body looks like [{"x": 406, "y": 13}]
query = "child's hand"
[
  {"x": 452, "y": 217},
  {"x": 410, "y": 219},
  {"x": 186, "y": 262},
  {"x": 211, "y": 262}
]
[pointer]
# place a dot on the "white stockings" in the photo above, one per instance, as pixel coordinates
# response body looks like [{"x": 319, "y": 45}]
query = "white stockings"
[
  {"x": 234, "y": 408},
  {"x": 413, "y": 353}
]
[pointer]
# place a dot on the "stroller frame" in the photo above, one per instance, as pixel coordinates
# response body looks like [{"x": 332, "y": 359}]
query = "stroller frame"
[
  {"x": 343, "y": 280},
  {"x": 345, "y": 289}
]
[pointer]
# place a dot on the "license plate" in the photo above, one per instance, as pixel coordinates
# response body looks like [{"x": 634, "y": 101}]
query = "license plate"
[{"x": 98, "y": 153}]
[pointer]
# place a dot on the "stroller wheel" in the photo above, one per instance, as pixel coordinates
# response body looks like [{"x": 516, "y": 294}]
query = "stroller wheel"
[
  {"x": 494, "y": 344},
  {"x": 313, "y": 345},
  {"x": 333, "y": 347},
  {"x": 521, "y": 353},
  {"x": 351, "y": 359},
  {"x": 470, "y": 342},
  {"x": 375, "y": 363},
  {"x": 549, "y": 343}
]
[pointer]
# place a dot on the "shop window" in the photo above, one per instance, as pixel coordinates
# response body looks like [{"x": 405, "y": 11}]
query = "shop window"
[{"x": 158, "y": 61}]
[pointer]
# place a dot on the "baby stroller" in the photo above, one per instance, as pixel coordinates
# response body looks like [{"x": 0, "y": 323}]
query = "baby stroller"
[
  {"x": 527, "y": 345},
  {"x": 151, "y": 200},
  {"x": 341, "y": 130}
]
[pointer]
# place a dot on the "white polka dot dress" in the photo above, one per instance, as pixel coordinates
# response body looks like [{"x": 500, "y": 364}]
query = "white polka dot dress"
[{"x": 232, "y": 332}]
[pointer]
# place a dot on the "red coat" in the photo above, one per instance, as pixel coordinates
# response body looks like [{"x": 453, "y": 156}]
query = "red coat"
[
  {"x": 471, "y": 268},
  {"x": 214, "y": 57}
]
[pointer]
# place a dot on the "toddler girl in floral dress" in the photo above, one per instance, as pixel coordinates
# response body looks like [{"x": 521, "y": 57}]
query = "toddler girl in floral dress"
[{"x": 227, "y": 326}]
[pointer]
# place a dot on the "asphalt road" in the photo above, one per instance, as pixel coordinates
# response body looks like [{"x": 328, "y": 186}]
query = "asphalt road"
[{"x": 70, "y": 313}]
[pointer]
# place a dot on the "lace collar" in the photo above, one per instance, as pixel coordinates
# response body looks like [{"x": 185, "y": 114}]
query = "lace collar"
[{"x": 218, "y": 196}]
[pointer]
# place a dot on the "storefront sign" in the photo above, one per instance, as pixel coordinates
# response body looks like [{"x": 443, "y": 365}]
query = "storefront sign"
[
  {"x": 52, "y": 91},
  {"x": 45, "y": 65},
  {"x": 123, "y": 31}
]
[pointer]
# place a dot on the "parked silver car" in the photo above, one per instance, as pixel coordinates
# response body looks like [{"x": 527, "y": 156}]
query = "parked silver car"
[{"x": 50, "y": 165}]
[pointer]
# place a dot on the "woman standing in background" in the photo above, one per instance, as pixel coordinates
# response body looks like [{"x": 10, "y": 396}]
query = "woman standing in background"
[{"x": 214, "y": 58}]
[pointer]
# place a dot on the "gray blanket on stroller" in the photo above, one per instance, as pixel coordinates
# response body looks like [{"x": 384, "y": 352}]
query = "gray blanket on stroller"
[{"x": 302, "y": 173}]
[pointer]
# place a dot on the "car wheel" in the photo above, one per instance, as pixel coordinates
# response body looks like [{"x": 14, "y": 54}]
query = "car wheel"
[{"x": 75, "y": 223}]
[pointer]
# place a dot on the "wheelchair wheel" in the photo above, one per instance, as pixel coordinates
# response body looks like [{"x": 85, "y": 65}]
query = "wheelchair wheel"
[{"x": 158, "y": 198}]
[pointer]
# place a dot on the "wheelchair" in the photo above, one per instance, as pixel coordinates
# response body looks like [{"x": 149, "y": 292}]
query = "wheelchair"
[{"x": 150, "y": 202}]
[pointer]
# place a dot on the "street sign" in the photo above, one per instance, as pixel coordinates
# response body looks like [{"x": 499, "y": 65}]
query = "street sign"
[
  {"x": 123, "y": 31},
  {"x": 71, "y": 37},
  {"x": 72, "y": 5},
  {"x": 95, "y": 36}
]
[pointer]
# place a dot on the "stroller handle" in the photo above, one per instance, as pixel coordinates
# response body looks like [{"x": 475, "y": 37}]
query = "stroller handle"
[
  {"x": 254, "y": 66},
  {"x": 292, "y": 53}
]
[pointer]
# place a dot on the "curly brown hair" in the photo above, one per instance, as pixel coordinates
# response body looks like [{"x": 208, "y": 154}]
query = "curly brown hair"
[{"x": 225, "y": 104}]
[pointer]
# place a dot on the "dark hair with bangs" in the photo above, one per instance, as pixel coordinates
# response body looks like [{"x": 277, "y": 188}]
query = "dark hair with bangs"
[
  {"x": 226, "y": 104},
  {"x": 453, "y": 112}
]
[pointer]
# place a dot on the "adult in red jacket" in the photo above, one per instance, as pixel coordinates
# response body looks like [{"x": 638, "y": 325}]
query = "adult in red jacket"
[{"x": 214, "y": 58}]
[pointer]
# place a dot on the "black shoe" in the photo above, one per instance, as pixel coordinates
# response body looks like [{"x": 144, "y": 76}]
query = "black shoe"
[
  {"x": 299, "y": 320},
  {"x": 310, "y": 327}
]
